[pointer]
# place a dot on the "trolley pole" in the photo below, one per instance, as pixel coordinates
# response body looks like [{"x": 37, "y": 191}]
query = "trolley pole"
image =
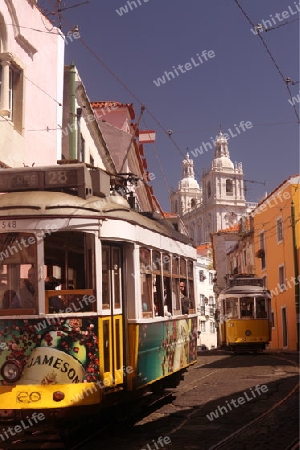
[{"x": 296, "y": 270}]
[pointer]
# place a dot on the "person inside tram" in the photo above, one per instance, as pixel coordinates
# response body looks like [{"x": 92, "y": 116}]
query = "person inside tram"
[
  {"x": 185, "y": 301},
  {"x": 26, "y": 296},
  {"x": 246, "y": 310},
  {"x": 56, "y": 304}
]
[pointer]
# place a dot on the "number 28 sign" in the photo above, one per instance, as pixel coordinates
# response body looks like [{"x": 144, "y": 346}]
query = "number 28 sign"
[{"x": 61, "y": 178}]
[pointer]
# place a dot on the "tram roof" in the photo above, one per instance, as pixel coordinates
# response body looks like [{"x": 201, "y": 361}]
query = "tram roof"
[
  {"x": 58, "y": 204},
  {"x": 245, "y": 289}
]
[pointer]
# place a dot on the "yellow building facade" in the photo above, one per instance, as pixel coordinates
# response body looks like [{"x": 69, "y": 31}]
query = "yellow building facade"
[{"x": 276, "y": 223}]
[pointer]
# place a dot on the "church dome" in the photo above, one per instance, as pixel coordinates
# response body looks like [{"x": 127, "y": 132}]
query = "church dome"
[
  {"x": 188, "y": 175},
  {"x": 188, "y": 183},
  {"x": 223, "y": 163},
  {"x": 222, "y": 159}
]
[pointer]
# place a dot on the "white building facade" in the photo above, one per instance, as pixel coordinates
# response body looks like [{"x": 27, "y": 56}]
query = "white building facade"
[
  {"x": 206, "y": 303},
  {"x": 218, "y": 203}
]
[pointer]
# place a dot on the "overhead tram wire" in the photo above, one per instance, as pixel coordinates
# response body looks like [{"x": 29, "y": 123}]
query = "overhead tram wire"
[
  {"x": 277, "y": 26},
  {"x": 30, "y": 28},
  {"x": 271, "y": 56},
  {"x": 110, "y": 71}
]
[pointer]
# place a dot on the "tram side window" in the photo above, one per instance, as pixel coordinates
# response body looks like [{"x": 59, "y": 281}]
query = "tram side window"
[
  {"x": 261, "y": 311},
  {"x": 191, "y": 294},
  {"x": 231, "y": 308},
  {"x": 174, "y": 305},
  {"x": 247, "y": 306},
  {"x": 70, "y": 261},
  {"x": 146, "y": 282},
  {"x": 158, "y": 289},
  {"x": 18, "y": 274}
]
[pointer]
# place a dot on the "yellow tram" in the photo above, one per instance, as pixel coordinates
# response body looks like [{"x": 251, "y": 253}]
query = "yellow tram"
[
  {"x": 90, "y": 305},
  {"x": 244, "y": 314}
]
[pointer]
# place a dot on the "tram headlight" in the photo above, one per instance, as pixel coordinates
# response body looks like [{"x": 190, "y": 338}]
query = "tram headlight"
[
  {"x": 11, "y": 371},
  {"x": 248, "y": 333}
]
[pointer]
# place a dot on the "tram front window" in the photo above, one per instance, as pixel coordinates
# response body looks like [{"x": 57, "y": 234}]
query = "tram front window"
[
  {"x": 247, "y": 307},
  {"x": 261, "y": 312},
  {"x": 18, "y": 275},
  {"x": 231, "y": 308}
]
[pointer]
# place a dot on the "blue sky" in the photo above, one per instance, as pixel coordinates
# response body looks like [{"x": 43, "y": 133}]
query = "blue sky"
[{"x": 240, "y": 83}]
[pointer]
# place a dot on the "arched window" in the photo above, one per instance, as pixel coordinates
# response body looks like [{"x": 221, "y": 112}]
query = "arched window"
[
  {"x": 208, "y": 189},
  {"x": 193, "y": 203},
  {"x": 229, "y": 187}
]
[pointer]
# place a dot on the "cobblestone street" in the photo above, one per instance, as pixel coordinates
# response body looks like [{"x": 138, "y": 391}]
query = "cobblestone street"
[{"x": 205, "y": 409}]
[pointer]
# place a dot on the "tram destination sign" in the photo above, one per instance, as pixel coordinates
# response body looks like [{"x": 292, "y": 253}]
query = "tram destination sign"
[
  {"x": 61, "y": 177},
  {"x": 47, "y": 178},
  {"x": 18, "y": 181}
]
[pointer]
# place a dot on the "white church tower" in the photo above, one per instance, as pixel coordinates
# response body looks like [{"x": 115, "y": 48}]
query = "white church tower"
[
  {"x": 219, "y": 204},
  {"x": 188, "y": 195},
  {"x": 223, "y": 190}
]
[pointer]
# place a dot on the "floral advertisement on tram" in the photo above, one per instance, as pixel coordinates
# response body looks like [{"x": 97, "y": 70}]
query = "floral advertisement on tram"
[
  {"x": 165, "y": 348},
  {"x": 54, "y": 351}
]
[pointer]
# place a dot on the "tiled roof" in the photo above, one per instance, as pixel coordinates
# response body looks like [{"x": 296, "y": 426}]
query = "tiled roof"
[
  {"x": 168, "y": 214},
  {"x": 233, "y": 229},
  {"x": 202, "y": 249},
  {"x": 115, "y": 105}
]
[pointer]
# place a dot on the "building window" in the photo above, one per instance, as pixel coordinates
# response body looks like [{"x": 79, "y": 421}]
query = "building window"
[
  {"x": 211, "y": 277},
  {"x": 208, "y": 189},
  {"x": 229, "y": 187},
  {"x": 262, "y": 249},
  {"x": 202, "y": 277},
  {"x": 279, "y": 227},
  {"x": 281, "y": 278},
  {"x": 11, "y": 90},
  {"x": 284, "y": 328},
  {"x": 212, "y": 327},
  {"x": 273, "y": 319},
  {"x": 203, "y": 326}
]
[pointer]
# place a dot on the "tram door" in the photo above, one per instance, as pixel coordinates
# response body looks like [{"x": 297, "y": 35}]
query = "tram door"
[{"x": 111, "y": 322}]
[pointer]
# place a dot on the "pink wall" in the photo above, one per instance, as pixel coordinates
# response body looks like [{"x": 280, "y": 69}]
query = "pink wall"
[{"x": 40, "y": 54}]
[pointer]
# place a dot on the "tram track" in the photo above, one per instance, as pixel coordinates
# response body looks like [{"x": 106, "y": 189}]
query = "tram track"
[
  {"x": 223, "y": 444},
  {"x": 248, "y": 430}
]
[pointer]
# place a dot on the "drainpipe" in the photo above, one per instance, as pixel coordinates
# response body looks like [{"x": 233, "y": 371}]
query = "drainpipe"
[
  {"x": 296, "y": 269},
  {"x": 79, "y": 149},
  {"x": 72, "y": 136}
]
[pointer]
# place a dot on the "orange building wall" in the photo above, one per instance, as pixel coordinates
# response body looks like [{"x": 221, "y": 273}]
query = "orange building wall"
[{"x": 277, "y": 205}]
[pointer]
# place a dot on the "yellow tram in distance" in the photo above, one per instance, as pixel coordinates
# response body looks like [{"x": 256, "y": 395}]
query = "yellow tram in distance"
[{"x": 244, "y": 314}]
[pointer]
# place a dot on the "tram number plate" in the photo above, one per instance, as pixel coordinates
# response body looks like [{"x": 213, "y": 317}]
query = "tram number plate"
[
  {"x": 28, "y": 397},
  {"x": 8, "y": 224}
]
